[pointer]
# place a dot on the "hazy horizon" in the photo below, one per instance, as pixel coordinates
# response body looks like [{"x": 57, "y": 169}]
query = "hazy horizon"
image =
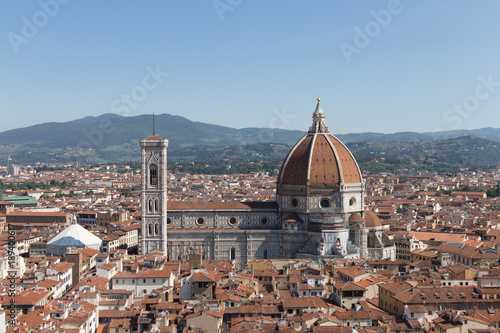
[{"x": 239, "y": 128}]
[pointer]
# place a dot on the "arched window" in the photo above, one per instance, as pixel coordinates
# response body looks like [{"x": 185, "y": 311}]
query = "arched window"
[
  {"x": 150, "y": 229},
  {"x": 156, "y": 205},
  {"x": 153, "y": 175},
  {"x": 265, "y": 253},
  {"x": 150, "y": 205},
  {"x": 232, "y": 254},
  {"x": 156, "y": 229}
]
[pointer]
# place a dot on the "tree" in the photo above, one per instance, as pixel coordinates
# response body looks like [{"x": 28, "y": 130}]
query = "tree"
[
  {"x": 126, "y": 193},
  {"x": 493, "y": 192},
  {"x": 402, "y": 210}
]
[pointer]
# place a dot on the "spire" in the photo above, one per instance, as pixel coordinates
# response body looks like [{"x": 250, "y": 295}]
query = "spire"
[{"x": 318, "y": 125}]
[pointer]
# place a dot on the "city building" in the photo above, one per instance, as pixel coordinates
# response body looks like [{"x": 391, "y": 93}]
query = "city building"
[
  {"x": 74, "y": 236},
  {"x": 318, "y": 213}
]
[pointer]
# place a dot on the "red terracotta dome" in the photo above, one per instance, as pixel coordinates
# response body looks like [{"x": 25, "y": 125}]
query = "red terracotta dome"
[
  {"x": 372, "y": 220},
  {"x": 319, "y": 158},
  {"x": 355, "y": 217}
]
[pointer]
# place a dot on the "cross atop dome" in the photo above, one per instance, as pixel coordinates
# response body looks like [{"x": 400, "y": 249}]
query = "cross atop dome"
[{"x": 318, "y": 125}]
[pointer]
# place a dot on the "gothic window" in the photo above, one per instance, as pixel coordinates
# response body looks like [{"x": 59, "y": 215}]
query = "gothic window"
[
  {"x": 150, "y": 229},
  {"x": 232, "y": 254},
  {"x": 156, "y": 205},
  {"x": 265, "y": 253},
  {"x": 150, "y": 206},
  {"x": 156, "y": 229},
  {"x": 153, "y": 175}
]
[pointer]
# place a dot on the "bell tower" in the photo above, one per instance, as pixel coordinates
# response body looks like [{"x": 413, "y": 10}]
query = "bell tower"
[{"x": 154, "y": 193}]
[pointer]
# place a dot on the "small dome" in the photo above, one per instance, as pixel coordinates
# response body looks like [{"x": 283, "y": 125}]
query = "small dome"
[
  {"x": 372, "y": 220},
  {"x": 355, "y": 217}
]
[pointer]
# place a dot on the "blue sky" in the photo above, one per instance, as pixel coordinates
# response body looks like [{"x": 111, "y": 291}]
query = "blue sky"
[{"x": 426, "y": 66}]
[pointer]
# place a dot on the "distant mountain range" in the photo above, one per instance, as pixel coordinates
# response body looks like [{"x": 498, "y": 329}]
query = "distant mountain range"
[
  {"x": 111, "y": 130},
  {"x": 114, "y": 138}
]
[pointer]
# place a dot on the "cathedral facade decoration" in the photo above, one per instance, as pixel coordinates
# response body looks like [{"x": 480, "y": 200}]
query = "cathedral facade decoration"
[{"x": 318, "y": 213}]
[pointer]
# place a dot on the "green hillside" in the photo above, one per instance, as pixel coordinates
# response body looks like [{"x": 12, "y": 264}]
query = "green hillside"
[{"x": 113, "y": 138}]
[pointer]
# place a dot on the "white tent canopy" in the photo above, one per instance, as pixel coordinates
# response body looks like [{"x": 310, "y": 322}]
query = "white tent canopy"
[{"x": 73, "y": 236}]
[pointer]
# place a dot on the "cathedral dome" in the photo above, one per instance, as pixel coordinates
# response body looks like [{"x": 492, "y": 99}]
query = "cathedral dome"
[{"x": 319, "y": 159}]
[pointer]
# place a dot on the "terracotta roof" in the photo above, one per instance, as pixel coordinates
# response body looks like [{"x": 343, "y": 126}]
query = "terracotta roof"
[
  {"x": 372, "y": 220},
  {"x": 62, "y": 266},
  {"x": 123, "y": 323},
  {"x": 48, "y": 283},
  {"x": 438, "y": 236},
  {"x": 352, "y": 271},
  {"x": 321, "y": 159},
  {"x": 348, "y": 286},
  {"x": 87, "y": 212},
  {"x": 305, "y": 302},
  {"x": 294, "y": 169},
  {"x": 339, "y": 329},
  {"x": 107, "y": 267},
  {"x": 18, "y": 213},
  {"x": 355, "y": 217},
  {"x": 350, "y": 170},
  {"x": 396, "y": 287},
  {"x": 353, "y": 315},
  {"x": 438, "y": 295},
  {"x": 368, "y": 282},
  {"x": 229, "y": 205},
  {"x": 152, "y": 273},
  {"x": 204, "y": 277},
  {"x": 153, "y": 137},
  {"x": 90, "y": 252}
]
